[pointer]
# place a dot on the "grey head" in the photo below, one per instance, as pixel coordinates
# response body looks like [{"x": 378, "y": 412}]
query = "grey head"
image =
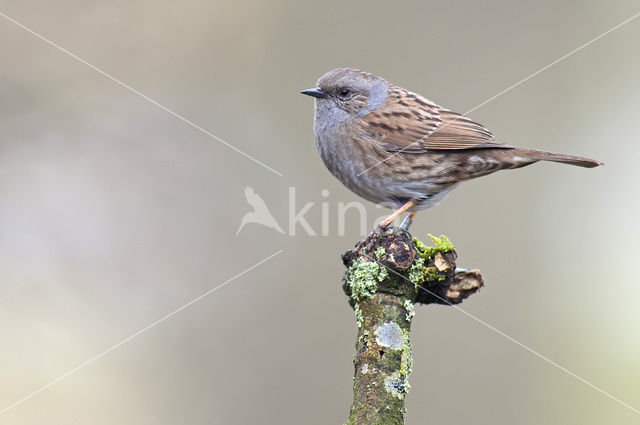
[{"x": 345, "y": 93}]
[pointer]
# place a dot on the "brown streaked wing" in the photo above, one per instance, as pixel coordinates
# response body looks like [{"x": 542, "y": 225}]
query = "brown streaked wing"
[{"x": 413, "y": 124}]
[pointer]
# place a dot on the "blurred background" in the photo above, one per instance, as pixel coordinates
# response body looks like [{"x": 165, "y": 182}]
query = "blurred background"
[{"x": 113, "y": 213}]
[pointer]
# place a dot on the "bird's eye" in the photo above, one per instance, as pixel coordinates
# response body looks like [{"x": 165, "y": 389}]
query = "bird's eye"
[{"x": 344, "y": 93}]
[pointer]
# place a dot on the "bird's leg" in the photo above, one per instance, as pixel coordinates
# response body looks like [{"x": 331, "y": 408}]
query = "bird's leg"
[
  {"x": 407, "y": 222},
  {"x": 387, "y": 221},
  {"x": 371, "y": 238}
]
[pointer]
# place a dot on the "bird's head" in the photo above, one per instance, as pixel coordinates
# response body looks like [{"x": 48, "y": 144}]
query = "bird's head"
[{"x": 345, "y": 93}]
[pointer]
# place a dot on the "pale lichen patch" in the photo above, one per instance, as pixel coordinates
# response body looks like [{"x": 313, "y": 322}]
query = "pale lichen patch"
[
  {"x": 389, "y": 335},
  {"x": 363, "y": 278},
  {"x": 406, "y": 360},
  {"x": 411, "y": 310},
  {"x": 397, "y": 385},
  {"x": 359, "y": 316},
  {"x": 416, "y": 273}
]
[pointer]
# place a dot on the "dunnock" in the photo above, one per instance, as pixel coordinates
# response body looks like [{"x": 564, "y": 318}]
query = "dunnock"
[{"x": 396, "y": 148}]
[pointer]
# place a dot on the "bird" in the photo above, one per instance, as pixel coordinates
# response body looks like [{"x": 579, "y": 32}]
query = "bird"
[
  {"x": 398, "y": 149},
  {"x": 260, "y": 213}
]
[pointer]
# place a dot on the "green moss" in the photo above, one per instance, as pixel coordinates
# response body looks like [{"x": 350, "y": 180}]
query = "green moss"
[
  {"x": 419, "y": 273},
  {"x": 443, "y": 244},
  {"x": 431, "y": 274},
  {"x": 380, "y": 252}
]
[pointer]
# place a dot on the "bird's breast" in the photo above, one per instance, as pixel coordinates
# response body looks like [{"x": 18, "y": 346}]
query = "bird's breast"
[{"x": 348, "y": 156}]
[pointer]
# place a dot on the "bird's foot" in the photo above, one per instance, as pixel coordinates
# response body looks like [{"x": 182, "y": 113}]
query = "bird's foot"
[
  {"x": 406, "y": 223},
  {"x": 366, "y": 244}
]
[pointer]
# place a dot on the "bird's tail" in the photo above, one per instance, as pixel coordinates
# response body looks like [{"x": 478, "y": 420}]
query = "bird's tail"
[{"x": 563, "y": 158}]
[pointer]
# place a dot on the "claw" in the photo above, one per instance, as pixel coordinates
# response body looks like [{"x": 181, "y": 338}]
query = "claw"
[{"x": 367, "y": 243}]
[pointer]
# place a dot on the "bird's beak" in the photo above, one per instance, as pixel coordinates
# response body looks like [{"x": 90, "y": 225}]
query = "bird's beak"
[{"x": 317, "y": 92}]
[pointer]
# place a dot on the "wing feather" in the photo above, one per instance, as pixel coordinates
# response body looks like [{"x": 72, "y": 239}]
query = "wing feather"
[{"x": 412, "y": 124}]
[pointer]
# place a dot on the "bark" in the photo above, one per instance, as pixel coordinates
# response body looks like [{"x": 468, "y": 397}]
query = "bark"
[{"x": 383, "y": 282}]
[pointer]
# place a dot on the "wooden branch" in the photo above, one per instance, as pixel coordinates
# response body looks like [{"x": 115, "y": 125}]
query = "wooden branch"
[{"x": 383, "y": 282}]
